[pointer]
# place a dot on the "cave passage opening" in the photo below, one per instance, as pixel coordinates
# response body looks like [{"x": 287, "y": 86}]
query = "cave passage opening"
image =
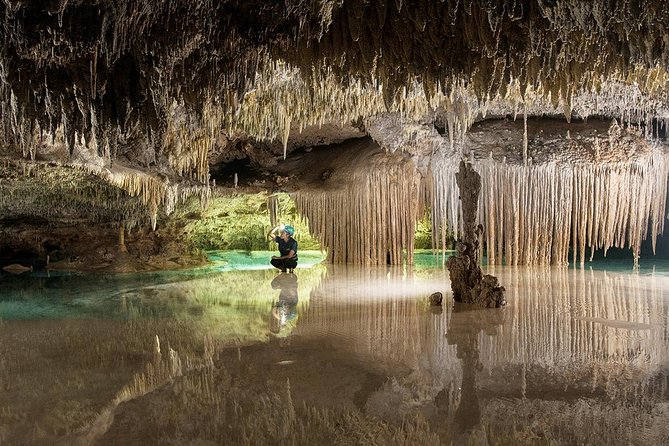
[{"x": 239, "y": 221}]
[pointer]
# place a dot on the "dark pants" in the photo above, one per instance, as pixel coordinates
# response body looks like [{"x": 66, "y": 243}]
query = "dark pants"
[{"x": 284, "y": 264}]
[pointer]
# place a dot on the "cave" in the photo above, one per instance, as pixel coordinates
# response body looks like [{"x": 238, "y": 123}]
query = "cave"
[{"x": 476, "y": 191}]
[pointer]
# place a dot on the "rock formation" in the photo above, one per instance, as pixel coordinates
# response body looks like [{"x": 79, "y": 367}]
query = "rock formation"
[
  {"x": 436, "y": 298},
  {"x": 152, "y": 100},
  {"x": 469, "y": 284}
]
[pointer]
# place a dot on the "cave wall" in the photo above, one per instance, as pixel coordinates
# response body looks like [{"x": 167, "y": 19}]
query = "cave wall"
[{"x": 153, "y": 83}]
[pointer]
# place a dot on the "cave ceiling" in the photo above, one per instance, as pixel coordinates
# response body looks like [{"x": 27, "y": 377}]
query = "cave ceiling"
[{"x": 150, "y": 94}]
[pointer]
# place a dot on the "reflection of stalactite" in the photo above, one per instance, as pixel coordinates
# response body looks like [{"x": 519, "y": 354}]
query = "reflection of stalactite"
[
  {"x": 573, "y": 334},
  {"x": 348, "y": 307},
  {"x": 579, "y": 317}
]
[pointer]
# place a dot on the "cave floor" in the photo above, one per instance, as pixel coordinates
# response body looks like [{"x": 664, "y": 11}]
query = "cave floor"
[{"x": 236, "y": 353}]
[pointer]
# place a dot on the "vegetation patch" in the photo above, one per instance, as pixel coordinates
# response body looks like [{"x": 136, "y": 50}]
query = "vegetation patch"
[{"x": 241, "y": 222}]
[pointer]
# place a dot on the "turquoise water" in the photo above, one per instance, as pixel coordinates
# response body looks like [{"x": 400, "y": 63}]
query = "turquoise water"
[
  {"x": 58, "y": 295},
  {"x": 247, "y": 260},
  {"x": 43, "y": 294},
  {"x": 425, "y": 259}
]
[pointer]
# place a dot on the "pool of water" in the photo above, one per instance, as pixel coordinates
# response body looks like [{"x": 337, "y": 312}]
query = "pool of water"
[{"x": 236, "y": 353}]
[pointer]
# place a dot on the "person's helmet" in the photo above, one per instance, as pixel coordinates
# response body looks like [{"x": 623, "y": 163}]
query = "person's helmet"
[{"x": 289, "y": 230}]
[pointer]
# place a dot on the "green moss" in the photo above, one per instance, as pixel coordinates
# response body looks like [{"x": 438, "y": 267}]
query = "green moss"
[
  {"x": 241, "y": 222},
  {"x": 423, "y": 236}
]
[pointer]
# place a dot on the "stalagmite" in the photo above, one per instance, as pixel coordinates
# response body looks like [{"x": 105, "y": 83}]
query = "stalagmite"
[{"x": 469, "y": 284}]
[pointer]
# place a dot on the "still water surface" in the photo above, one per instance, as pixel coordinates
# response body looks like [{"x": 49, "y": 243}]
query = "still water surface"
[{"x": 236, "y": 353}]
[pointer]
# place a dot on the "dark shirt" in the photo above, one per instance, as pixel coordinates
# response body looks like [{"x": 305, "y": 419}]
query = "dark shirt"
[{"x": 285, "y": 247}]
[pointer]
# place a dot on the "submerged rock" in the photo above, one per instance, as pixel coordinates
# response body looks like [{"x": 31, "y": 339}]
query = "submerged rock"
[
  {"x": 436, "y": 298},
  {"x": 15, "y": 268}
]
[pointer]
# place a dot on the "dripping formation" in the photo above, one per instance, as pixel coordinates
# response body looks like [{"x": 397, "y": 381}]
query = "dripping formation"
[
  {"x": 559, "y": 190},
  {"x": 369, "y": 217},
  {"x": 608, "y": 192}
]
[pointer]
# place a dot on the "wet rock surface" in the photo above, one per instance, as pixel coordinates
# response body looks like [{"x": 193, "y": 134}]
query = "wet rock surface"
[{"x": 96, "y": 248}]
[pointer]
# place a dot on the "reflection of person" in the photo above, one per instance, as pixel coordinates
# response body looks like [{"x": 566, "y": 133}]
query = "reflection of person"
[
  {"x": 285, "y": 310},
  {"x": 287, "y": 248}
]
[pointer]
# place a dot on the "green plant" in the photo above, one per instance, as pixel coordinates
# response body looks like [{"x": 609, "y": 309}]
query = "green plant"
[{"x": 241, "y": 222}]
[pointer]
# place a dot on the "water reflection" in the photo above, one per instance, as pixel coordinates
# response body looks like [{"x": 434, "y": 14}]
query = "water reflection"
[
  {"x": 576, "y": 337},
  {"x": 284, "y": 311},
  {"x": 556, "y": 315},
  {"x": 464, "y": 329},
  {"x": 577, "y": 357}
]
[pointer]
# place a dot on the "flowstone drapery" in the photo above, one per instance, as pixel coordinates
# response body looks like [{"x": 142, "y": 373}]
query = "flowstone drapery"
[{"x": 469, "y": 284}]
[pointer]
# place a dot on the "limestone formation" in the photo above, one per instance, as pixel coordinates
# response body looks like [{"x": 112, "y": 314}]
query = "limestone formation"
[
  {"x": 567, "y": 200},
  {"x": 469, "y": 284},
  {"x": 153, "y": 98}
]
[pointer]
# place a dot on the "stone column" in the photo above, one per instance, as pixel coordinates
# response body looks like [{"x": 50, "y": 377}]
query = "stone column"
[{"x": 468, "y": 283}]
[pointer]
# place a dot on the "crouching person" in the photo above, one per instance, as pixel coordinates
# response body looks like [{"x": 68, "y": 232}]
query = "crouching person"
[{"x": 287, "y": 261}]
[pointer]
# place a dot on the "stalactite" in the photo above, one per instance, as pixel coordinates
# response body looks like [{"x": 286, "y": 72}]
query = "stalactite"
[
  {"x": 298, "y": 64},
  {"x": 34, "y": 186},
  {"x": 154, "y": 191},
  {"x": 530, "y": 213},
  {"x": 563, "y": 52},
  {"x": 274, "y": 210},
  {"x": 371, "y": 219}
]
